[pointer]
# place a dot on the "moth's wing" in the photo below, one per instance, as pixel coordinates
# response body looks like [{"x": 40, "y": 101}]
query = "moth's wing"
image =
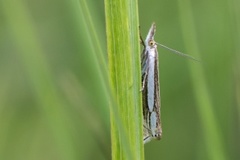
[{"x": 157, "y": 101}]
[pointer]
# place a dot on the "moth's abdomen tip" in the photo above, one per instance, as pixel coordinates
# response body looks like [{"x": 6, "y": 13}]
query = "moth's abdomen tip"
[{"x": 158, "y": 136}]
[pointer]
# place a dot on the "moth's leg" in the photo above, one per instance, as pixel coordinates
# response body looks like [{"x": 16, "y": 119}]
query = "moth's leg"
[
  {"x": 144, "y": 80},
  {"x": 144, "y": 73},
  {"x": 147, "y": 137},
  {"x": 141, "y": 39}
]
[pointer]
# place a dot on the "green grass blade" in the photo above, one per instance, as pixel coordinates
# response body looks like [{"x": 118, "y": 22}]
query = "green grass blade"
[
  {"x": 124, "y": 71},
  {"x": 54, "y": 95},
  {"x": 40, "y": 77},
  {"x": 95, "y": 40},
  {"x": 213, "y": 136},
  {"x": 96, "y": 48},
  {"x": 235, "y": 29}
]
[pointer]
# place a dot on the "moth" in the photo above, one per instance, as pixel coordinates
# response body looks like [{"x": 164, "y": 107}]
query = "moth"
[
  {"x": 150, "y": 88},
  {"x": 152, "y": 126}
]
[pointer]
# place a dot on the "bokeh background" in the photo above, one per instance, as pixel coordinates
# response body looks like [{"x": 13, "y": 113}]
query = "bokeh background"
[{"x": 53, "y": 79}]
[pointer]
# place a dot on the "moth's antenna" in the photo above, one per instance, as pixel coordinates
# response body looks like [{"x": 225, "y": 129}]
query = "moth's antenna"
[{"x": 177, "y": 52}]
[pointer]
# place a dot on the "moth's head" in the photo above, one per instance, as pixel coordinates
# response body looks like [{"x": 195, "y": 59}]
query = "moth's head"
[
  {"x": 149, "y": 41},
  {"x": 152, "y": 43}
]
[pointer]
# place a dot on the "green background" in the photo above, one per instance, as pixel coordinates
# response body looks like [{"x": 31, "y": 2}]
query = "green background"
[{"x": 53, "y": 79}]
